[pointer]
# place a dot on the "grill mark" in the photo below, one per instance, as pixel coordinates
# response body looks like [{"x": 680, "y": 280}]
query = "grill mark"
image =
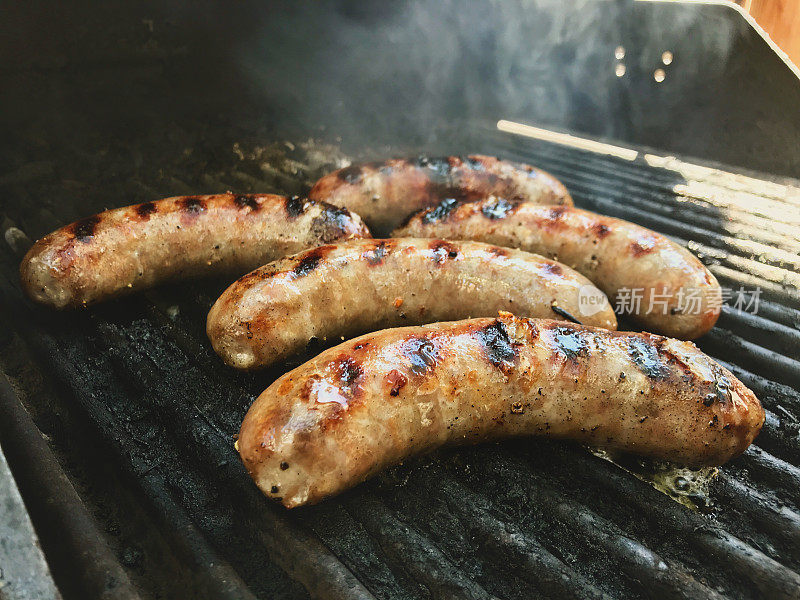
[
  {"x": 377, "y": 255},
  {"x": 350, "y": 374},
  {"x": 440, "y": 167},
  {"x": 552, "y": 268},
  {"x": 570, "y": 343},
  {"x": 309, "y": 261},
  {"x": 84, "y": 229},
  {"x": 499, "y": 209},
  {"x": 441, "y": 211},
  {"x": 422, "y": 355},
  {"x": 295, "y": 206},
  {"x": 442, "y": 250},
  {"x": 647, "y": 359},
  {"x": 351, "y": 174},
  {"x": 497, "y": 346},
  {"x": 246, "y": 200},
  {"x": 146, "y": 209},
  {"x": 193, "y": 205},
  {"x": 601, "y": 230},
  {"x": 332, "y": 223}
]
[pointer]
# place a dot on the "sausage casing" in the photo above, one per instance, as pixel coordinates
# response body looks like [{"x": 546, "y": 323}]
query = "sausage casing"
[
  {"x": 357, "y": 286},
  {"x": 126, "y": 249},
  {"x": 375, "y": 400},
  {"x": 661, "y": 285},
  {"x": 384, "y": 194}
]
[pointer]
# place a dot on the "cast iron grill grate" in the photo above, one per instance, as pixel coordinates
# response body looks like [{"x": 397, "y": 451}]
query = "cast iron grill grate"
[{"x": 514, "y": 520}]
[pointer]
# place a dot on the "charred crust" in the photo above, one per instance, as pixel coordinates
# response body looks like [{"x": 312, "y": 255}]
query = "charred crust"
[
  {"x": 474, "y": 163},
  {"x": 638, "y": 250},
  {"x": 193, "y": 204},
  {"x": 647, "y": 359},
  {"x": 499, "y": 251},
  {"x": 497, "y": 346},
  {"x": 309, "y": 261},
  {"x": 553, "y": 268},
  {"x": 349, "y": 375},
  {"x": 570, "y": 343},
  {"x": 440, "y": 167},
  {"x": 246, "y": 201},
  {"x": 351, "y": 174},
  {"x": 421, "y": 353},
  {"x": 441, "y": 211},
  {"x": 443, "y": 250},
  {"x": 332, "y": 224},
  {"x": 145, "y": 209},
  {"x": 379, "y": 252},
  {"x": 284, "y": 465},
  {"x": 557, "y": 212},
  {"x": 84, "y": 229},
  {"x": 601, "y": 230},
  {"x": 499, "y": 209},
  {"x": 295, "y": 206}
]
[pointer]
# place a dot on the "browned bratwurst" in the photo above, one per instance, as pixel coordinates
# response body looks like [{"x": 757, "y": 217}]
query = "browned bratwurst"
[
  {"x": 677, "y": 295},
  {"x": 363, "y": 285},
  {"x": 386, "y": 193},
  {"x": 126, "y": 249},
  {"x": 375, "y": 400}
]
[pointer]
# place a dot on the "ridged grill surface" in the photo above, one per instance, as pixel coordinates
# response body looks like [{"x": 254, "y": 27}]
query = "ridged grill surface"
[{"x": 523, "y": 519}]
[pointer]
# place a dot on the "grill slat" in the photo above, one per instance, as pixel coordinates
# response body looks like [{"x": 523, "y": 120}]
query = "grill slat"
[{"x": 504, "y": 520}]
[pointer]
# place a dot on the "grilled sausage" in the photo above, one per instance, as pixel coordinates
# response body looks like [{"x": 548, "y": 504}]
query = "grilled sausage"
[
  {"x": 677, "y": 295},
  {"x": 386, "y": 193},
  {"x": 375, "y": 400},
  {"x": 363, "y": 285},
  {"x": 126, "y": 249}
]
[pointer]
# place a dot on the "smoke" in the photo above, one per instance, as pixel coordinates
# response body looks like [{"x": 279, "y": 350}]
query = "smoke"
[{"x": 415, "y": 72}]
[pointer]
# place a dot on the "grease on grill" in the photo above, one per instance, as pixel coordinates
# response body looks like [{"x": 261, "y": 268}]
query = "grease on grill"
[
  {"x": 647, "y": 359},
  {"x": 85, "y": 228},
  {"x": 497, "y": 345},
  {"x": 498, "y": 209}
]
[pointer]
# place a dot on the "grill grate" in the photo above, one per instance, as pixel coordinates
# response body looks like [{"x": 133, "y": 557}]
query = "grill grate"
[{"x": 512, "y": 520}]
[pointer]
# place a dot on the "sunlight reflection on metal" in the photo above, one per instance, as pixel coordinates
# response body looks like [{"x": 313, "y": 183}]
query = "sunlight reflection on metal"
[{"x": 566, "y": 139}]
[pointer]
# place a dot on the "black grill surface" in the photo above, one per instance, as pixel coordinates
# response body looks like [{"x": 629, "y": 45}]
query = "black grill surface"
[{"x": 142, "y": 415}]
